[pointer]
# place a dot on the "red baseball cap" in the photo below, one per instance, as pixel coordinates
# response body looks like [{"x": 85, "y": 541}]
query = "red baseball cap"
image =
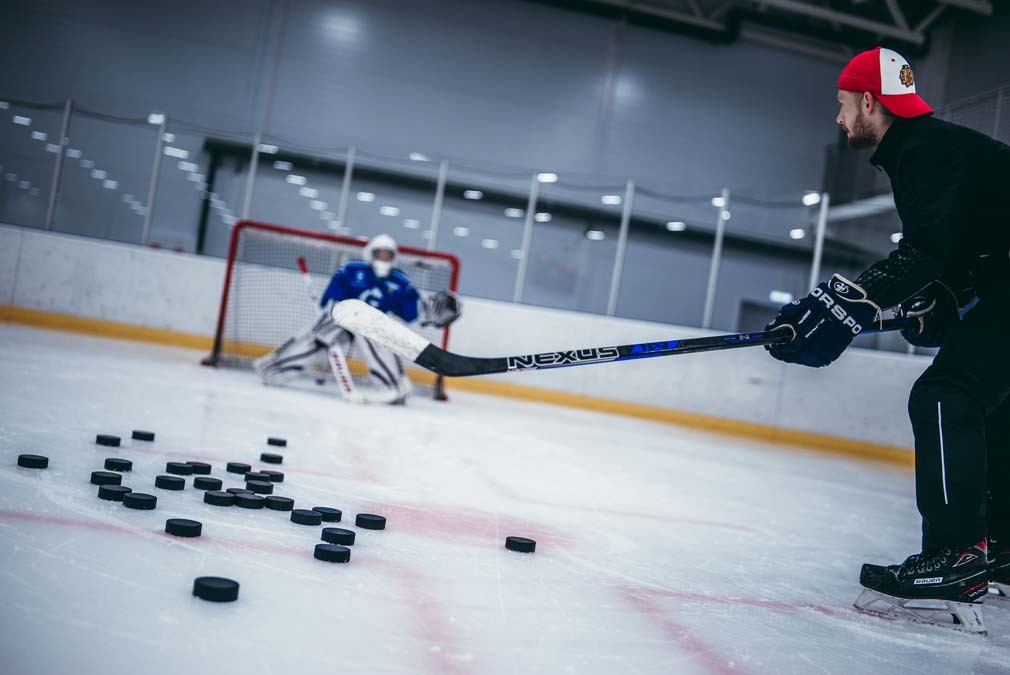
[{"x": 885, "y": 74}]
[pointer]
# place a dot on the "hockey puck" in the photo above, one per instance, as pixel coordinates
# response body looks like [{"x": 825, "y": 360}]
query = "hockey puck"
[
  {"x": 274, "y": 476},
  {"x": 179, "y": 468},
  {"x": 277, "y": 503},
  {"x": 370, "y": 521},
  {"x": 239, "y": 491},
  {"x": 218, "y": 498},
  {"x": 337, "y": 535},
  {"x": 279, "y": 442},
  {"x": 139, "y": 500},
  {"x": 143, "y": 435},
  {"x": 332, "y": 553},
  {"x": 33, "y": 461},
  {"x": 116, "y": 464},
  {"x": 170, "y": 483},
  {"x": 256, "y": 475},
  {"x": 520, "y": 544},
  {"x": 183, "y": 527},
  {"x": 200, "y": 468},
  {"x": 250, "y": 501},
  {"x": 306, "y": 517},
  {"x": 105, "y": 478},
  {"x": 206, "y": 483},
  {"x": 113, "y": 493},
  {"x": 329, "y": 515},
  {"x": 260, "y": 487},
  {"x": 215, "y": 589},
  {"x": 106, "y": 439},
  {"x": 238, "y": 467},
  {"x": 271, "y": 458}
]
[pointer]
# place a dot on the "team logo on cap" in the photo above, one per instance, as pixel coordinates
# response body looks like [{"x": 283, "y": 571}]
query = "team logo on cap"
[{"x": 905, "y": 75}]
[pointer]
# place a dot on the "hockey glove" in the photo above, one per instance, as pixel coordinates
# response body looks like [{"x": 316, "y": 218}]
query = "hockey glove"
[
  {"x": 823, "y": 323},
  {"x": 440, "y": 309},
  {"x": 936, "y": 308}
]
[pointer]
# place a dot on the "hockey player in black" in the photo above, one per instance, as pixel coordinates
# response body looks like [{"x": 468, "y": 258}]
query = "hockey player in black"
[{"x": 951, "y": 272}]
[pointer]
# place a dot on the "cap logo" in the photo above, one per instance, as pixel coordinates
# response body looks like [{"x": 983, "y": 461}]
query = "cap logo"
[{"x": 905, "y": 75}]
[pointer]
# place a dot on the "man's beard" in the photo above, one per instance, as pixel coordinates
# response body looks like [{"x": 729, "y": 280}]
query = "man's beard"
[{"x": 861, "y": 136}]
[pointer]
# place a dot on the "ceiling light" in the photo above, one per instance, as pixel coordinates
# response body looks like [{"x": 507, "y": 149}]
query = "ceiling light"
[
  {"x": 127, "y": 197},
  {"x": 611, "y": 200},
  {"x": 514, "y": 213},
  {"x": 811, "y": 199},
  {"x": 418, "y": 157},
  {"x": 797, "y": 233},
  {"x": 780, "y": 297},
  {"x": 188, "y": 167},
  {"x": 317, "y": 205},
  {"x": 194, "y": 177},
  {"x": 24, "y": 184},
  {"x": 53, "y": 148},
  {"x": 295, "y": 179},
  {"x": 168, "y": 138},
  {"x": 267, "y": 149},
  {"x": 515, "y": 254},
  {"x": 4, "y": 105},
  {"x": 173, "y": 151},
  {"x": 35, "y": 192},
  {"x": 389, "y": 210},
  {"x": 99, "y": 174},
  {"x": 473, "y": 194},
  {"x": 726, "y": 215},
  {"x": 11, "y": 177},
  {"x": 366, "y": 196},
  {"x": 460, "y": 231},
  {"x": 718, "y": 202},
  {"x": 87, "y": 164},
  {"x": 282, "y": 166},
  {"x": 156, "y": 118},
  {"x": 110, "y": 184},
  {"x": 896, "y": 237},
  {"x": 311, "y": 193},
  {"x": 73, "y": 153},
  {"x": 547, "y": 177},
  {"x": 595, "y": 235},
  {"x": 22, "y": 121},
  {"x": 676, "y": 226},
  {"x": 411, "y": 224},
  {"x": 542, "y": 217},
  {"x": 489, "y": 243},
  {"x": 39, "y": 136}
]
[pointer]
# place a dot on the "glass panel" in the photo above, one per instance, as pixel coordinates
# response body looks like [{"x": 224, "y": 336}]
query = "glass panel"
[{"x": 29, "y": 144}]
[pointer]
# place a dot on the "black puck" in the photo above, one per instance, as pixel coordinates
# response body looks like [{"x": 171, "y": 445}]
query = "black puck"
[
  {"x": 33, "y": 461},
  {"x": 238, "y": 467},
  {"x": 306, "y": 517},
  {"x": 206, "y": 483},
  {"x": 250, "y": 501},
  {"x": 139, "y": 500},
  {"x": 332, "y": 553},
  {"x": 200, "y": 468},
  {"x": 279, "y": 442},
  {"x": 116, "y": 464},
  {"x": 520, "y": 544},
  {"x": 113, "y": 493},
  {"x": 256, "y": 475},
  {"x": 329, "y": 515},
  {"x": 271, "y": 458},
  {"x": 337, "y": 535},
  {"x": 106, "y": 478},
  {"x": 143, "y": 435},
  {"x": 274, "y": 476},
  {"x": 106, "y": 439},
  {"x": 170, "y": 483},
  {"x": 218, "y": 498},
  {"x": 370, "y": 521},
  {"x": 260, "y": 487},
  {"x": 215, "y": 589},
  {"x": 179, "y": 468},
  {"x": 239, "y": 491},
  {"x": 183, "y": 527},
  {"x": 277, "y": 503}
]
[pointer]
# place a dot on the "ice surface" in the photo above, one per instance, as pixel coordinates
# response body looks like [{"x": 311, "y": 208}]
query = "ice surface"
[{"x": 659, "y": 549}]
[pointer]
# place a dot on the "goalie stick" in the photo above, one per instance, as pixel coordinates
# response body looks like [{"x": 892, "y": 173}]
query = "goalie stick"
[
  {"x": 335, "y": 355},
  {"x": 364, "y": 320}
]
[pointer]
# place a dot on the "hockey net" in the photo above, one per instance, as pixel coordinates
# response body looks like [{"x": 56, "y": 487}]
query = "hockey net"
[{"x": 264, "y": 300}]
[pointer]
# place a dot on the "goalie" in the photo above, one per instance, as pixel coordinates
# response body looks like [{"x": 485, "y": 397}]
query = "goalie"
[{"x": 377, "y": 282}]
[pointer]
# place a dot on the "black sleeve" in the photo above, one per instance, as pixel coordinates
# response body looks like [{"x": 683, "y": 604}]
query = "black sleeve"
[{"x": 929, "y": 177}]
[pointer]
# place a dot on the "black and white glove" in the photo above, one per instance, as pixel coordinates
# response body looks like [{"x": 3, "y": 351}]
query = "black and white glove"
[
  {"x": 824, "y": 323},
  {"x": 440, "y": 309},
  {"x": 936, "y": 309}
]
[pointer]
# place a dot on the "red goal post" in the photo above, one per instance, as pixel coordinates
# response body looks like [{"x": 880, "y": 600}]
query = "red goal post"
[{"x": 263, "y": 301}]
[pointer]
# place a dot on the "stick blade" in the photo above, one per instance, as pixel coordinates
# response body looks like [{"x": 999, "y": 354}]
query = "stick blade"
[{"x": 365, "y": 321}]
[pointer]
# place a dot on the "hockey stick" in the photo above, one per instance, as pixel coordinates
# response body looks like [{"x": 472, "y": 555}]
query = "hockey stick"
[
  {"x": 364, "y": 320},
  {"x": 337, "y": 358}
]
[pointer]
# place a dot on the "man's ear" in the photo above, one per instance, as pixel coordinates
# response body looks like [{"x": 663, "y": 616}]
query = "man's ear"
[{"x": 868, "y": 101}]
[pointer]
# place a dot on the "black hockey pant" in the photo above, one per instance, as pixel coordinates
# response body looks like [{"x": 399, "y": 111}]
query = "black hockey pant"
[{"x": 960, "y": 412}]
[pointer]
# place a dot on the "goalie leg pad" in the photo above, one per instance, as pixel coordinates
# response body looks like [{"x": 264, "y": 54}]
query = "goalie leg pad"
[{"x": 386, "y": 369}]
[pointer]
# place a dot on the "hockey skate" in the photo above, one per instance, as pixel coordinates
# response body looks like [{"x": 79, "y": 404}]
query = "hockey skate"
[
  {"x": 999, "y": 570},
  {"x": 942, "y": 588}
]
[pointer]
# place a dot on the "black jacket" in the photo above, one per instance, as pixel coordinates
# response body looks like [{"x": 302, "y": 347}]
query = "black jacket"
[{"x": 951, "y": 187}]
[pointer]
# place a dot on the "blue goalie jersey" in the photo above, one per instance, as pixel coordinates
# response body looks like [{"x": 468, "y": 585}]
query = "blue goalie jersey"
[{"x": 393, "y": 294}]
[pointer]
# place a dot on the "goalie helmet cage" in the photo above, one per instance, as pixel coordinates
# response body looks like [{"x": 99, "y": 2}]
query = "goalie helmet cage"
[{"x": 264, "y": 302}]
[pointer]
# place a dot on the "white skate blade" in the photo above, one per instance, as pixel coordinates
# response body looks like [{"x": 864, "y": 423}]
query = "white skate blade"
[
  {"x": 999, "y": 591},
  {"x": 961, "y": 616}
]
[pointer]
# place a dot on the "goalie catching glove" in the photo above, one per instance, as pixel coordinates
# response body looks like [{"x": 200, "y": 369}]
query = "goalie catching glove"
[
  {"x": 440, "y": 309},
  {"x": 824, "y": 323}
]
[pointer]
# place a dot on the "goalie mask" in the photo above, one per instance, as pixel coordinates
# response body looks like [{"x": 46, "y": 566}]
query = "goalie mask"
[{"x": 380, "y": 253}]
